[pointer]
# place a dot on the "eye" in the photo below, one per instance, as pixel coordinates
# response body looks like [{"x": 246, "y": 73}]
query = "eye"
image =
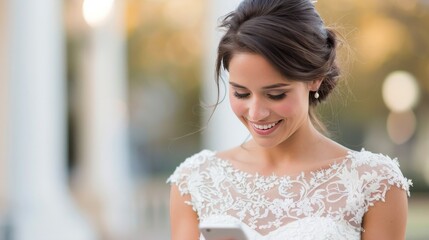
[
  {"x": 277, "y": 97},
  {"x": 241, "y": 95}
]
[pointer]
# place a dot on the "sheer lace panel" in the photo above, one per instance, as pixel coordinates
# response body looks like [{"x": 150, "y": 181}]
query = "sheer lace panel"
[{"x": 332, "y": 200}]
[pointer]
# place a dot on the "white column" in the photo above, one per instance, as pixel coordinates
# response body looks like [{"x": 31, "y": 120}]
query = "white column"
[
  {"x": 41, "y": 207},
  {"x": 224, "y": 129},
  {"x": 103, "y": 181}
]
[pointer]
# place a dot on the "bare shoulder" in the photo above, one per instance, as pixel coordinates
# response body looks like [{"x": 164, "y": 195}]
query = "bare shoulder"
[
  {"x": 334, "y": 147},
  {"x": 329, "y": 151}
]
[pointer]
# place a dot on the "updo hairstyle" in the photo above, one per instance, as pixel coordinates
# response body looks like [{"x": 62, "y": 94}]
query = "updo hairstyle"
[{"x": 290, "y": 34}]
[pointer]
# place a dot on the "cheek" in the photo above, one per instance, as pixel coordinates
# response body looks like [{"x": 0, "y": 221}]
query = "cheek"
[
  {"x": 237, "y": 106},
  {"x": 285, "y": 108},
  {"x": 289, "y": 108}
]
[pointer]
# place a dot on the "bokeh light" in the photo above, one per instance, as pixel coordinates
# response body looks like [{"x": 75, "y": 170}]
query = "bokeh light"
[
  {"x": 400, "y": 91},
  {"x": 95, "y": 12},
  {"x": 401, "y": 126}
]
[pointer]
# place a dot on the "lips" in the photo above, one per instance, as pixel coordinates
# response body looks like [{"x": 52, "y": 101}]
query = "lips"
[{"x": 266, "y": 128}]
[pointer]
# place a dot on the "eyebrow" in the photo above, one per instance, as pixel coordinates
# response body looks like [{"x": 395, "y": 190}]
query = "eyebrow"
[{"x": 277, "y": 85}]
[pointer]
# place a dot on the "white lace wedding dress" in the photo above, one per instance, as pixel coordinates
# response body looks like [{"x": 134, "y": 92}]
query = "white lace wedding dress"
[{"x": 324, "y": 204}]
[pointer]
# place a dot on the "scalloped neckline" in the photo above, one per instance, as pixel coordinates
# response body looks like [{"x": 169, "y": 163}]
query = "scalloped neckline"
[{"x": 334, "y": 165}]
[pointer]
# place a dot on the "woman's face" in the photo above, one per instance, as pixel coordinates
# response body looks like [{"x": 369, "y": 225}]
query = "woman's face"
[{"x": 270, "y": 106}]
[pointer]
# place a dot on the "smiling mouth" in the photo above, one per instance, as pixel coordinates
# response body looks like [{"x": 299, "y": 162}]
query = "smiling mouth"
[{"x": 266, "y": 126}]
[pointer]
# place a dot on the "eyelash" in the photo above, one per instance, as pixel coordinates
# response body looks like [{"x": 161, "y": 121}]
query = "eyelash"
[
  {"x": 273, "y": 97},
  {"x": 241, "y": 96},
  {"x": 277, "y": 97}
]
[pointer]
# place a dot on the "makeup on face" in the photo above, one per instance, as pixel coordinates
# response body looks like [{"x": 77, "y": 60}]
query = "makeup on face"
[{"x": 270, "y": 106}]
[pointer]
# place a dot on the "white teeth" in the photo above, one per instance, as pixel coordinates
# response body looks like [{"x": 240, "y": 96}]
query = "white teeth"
[{"x": 265, "y": 127}]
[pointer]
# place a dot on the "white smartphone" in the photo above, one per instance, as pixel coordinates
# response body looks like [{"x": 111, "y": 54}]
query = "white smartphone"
[{"x": 222, "y": 232}]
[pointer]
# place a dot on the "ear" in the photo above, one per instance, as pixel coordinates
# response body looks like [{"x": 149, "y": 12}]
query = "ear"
[{"x": 314, "y": 85}]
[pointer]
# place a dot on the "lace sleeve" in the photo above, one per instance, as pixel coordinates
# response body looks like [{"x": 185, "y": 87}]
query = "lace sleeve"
[
  {"x": 185, "y": 174},
  {"x": 189, "y": 178},
  {"x": 180, "y": 178},
  {"x": 378, "y": 174}
]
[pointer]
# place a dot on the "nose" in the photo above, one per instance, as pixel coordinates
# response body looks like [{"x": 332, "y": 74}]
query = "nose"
[{"x": 258, "y": 110}]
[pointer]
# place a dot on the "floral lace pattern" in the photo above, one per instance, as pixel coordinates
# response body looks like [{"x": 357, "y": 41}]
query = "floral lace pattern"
[{"x": 324, "y": 204}]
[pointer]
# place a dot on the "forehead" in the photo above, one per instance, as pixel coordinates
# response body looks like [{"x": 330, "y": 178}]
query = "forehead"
[{"x": 253, "y": 68}]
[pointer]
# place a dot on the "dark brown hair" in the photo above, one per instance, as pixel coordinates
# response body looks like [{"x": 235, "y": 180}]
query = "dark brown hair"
[{"x": 290, "y": 34}]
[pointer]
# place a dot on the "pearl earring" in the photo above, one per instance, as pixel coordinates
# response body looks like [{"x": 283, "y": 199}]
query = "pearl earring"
[{"x": 316, "y": 95}]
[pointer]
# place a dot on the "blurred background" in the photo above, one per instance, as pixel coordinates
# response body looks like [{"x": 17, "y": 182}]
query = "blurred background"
[{"x": 100, "y": 100}]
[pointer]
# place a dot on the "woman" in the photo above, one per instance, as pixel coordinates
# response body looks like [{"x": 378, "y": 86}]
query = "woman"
[{"x": 289, "y": 181}]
